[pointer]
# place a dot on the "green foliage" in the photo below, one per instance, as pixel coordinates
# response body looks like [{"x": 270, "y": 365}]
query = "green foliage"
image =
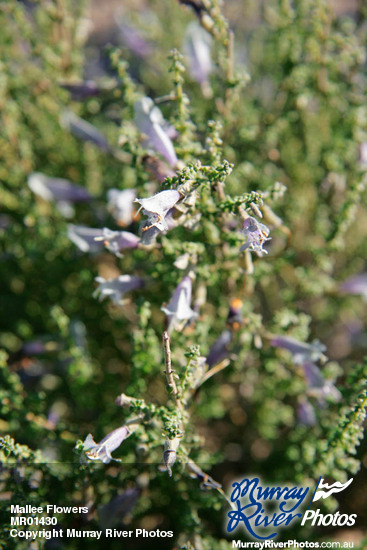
[{"x": 276, "y": 140}]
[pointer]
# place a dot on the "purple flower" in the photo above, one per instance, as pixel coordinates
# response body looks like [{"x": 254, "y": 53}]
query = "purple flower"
[
  {"x": 306, "y": 412},
  {"x": 151, "y": 232},
  {"x": 57, "y": 189},
  {"x": 81, "y": 90},
  {"x": 115, "y": 241},
  {"x": 102, "y": 451},
  {"x": 362, "y": 154},
  {"x": 318, "y": 386},
  {"x": 301, "y": 352},
  {"x": 117, "y": 287},
  {"x": 157, "y": 208},
  {"x": 132, "y": 38},
  {"x": 121, "y": 205},
  {"x": 150, "y": 122},
  {"x": 149, "y": 236},
  {"x": 356, "y": 285},
  {"x": 89, "y": 239},
  {"x": 197, "y": 44},
  {"x": 178, "y": 309},
  {"x": 33, "y": 347},
  {"x": 85, "y": 238},
  {"x": 85, "y": 131},
  {"x": 219, "y": 350},
  {"x": 256, "y": 234},
  {"x": 305, "y": 355}
]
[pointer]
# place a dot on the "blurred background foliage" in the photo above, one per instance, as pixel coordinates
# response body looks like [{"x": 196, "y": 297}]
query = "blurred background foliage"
[{"x": 288, "y": 105}]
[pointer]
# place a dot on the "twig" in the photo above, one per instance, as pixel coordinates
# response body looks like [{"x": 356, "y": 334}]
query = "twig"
[
  {"x": 169, "y": 372},
  {"x": 207, "y": 482},
  {"x": 171, "y": 445},
  {"x": 165, "y": 98},
  {"x": 248, "y": 262},
  {"x": 272, "y": 218},
  {"x": 220, "y": 190},
  {"x": 222, "y": 365}
]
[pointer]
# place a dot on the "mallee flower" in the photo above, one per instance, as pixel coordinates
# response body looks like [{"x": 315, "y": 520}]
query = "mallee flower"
[
  {"x": 57, "y": 189},
  {"x": 102, "y": 451},
  {"x": 115, "y": 241},
  {"x": 85, "y": 131},
  {"x": 121, "y": 205},
  {"x": 256, "y": 234},
  {"x": 197, "y": 44},
  {"x": 362, "y": 154},
  {"x": 301, "y": 351},
  {"x": 81, "y": 90},
  {"x": 132, "y": 37},
  {"x": 157, "y": 208},
  {"x": 219, "y": 349},
  {"x": 149, "y": 235},
  {"x": 85, "y": 237},
  {"x": 178, "y": 309},
  {"x": 319, "y": 387},
  {"x": 117, "y": 287},
  {"x": 150, "y": 122},
  {"x": 89, "y": 239},
  {"x": 305, "y": 412},
  {"x": 356, "y": 285},
  {"x": 305, "y": 355}
]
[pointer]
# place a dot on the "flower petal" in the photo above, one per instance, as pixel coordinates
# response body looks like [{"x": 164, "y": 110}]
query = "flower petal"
[
  {"x": 150, "y": 122},
  {"x": 197, "y": 44},
  {"x": 117, "y": 287},
  {"x": 121, "y": 205},
  {"x": 57, "y": 189}
]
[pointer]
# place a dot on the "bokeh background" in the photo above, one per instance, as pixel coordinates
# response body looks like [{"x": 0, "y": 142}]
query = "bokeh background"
[{"x": 293, "y": 112}]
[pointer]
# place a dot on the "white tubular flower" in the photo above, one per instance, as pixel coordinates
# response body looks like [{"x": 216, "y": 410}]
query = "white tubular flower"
[
  {"x": 85, "y": 237},
  {"x": 84, "y": 130},
  {"x": 121, "y": 205},
  {"x": 178, "y": 309},
  {"x": 318, "y": 386},
  {"x": 89, "y": 239},
  {"x": 158, "y": 207},
  {"x": 115, "y": 241},
  {"x": 356, "y": 285},
  {"x": 102, "y": 451},
  {"x": 197, "y": 43},
  {"x": 301, "y": 351},
  {"x": 256, "y": 234},
  {"x": 150, "y": 122},
  {"x": 57, "y": 189},
  {"x": 116, "y": 288}
]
